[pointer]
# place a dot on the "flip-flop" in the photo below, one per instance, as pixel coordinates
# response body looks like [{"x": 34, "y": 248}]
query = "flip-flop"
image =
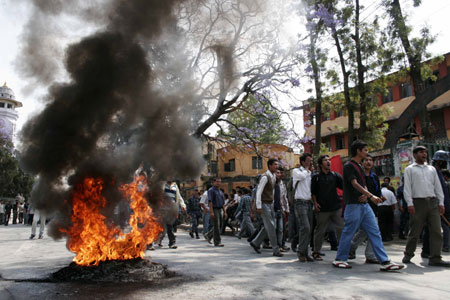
[{"x": 341, "y": 264}]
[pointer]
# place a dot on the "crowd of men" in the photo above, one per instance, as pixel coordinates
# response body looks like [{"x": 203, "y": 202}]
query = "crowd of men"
[{"x": 319, "y": 204}]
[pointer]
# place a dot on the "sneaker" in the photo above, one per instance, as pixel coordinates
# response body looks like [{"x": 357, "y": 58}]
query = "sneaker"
[
  {"x": 255, "y": 248},
  {"x": 278, "y": 254},
  {"x": 267, "y": 247},
  {"x": 40, "y": 236},
  {"x": 304, "y": 258},
  {"x": 173, "y": 246},
  {"x": 209, "y": 239},
  {"x": 440, "y": 263},
  {"x": 285, "y": 248},
  {"x": 32, "y": 236},
  {"x": 389, "y": 266},
  {"x": 191, "y": 234}
]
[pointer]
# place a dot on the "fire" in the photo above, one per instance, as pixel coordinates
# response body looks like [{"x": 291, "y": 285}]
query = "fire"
[{"x": 93, "y": 240}]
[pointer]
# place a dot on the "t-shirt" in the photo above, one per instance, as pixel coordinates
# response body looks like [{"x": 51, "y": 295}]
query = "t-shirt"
[
  {"x": 276, "y": 198},
  {"x": 351, "y": 195},
  {"x": 323, "y": 186}
]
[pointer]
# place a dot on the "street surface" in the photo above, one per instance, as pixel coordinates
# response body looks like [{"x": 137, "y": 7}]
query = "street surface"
[{"x": 207, "y": 272}]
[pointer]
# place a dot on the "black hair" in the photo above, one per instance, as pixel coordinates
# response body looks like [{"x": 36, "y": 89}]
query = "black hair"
[
  {"x": 214, "y": 178},
  {"x": 280, "y": 168},
  {"x": 233, "y": 191},
  {"x": 321, "y": 158},
  {"x": 357, "y": 144},
  {"x": 368, "y": 156},
  {"x": 384, "y": 184},
  {"x": 304, "y": 156},
  {"x": 271, "y": 161},
  {"x": 388, "y": 178}
]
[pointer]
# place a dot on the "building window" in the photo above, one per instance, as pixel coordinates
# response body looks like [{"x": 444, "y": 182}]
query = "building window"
[
  {"x": 230, "y": 166},
  {"x": 2, "y": 104},
  {"x": 210, "y": 148},
  {"x": 10, "y": 105},
  {"x": 256, "y": 162},
  {"x": 388, "y": 97},
  {"x": 340, "y": 142},
  {"x": 406, "y": 90},
  {"x": 212, "y": 167}
]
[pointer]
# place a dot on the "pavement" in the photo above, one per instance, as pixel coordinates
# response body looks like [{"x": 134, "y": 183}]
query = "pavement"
[{"x": 207, "y": 272}]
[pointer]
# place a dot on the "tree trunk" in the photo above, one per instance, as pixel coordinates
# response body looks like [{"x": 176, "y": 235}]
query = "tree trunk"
[
  {"x": 414, "y": 60},
  {"x": 361, "y": 70},
  {"x": 348, "y": 102},
  {"x": 318, "y": 87}
]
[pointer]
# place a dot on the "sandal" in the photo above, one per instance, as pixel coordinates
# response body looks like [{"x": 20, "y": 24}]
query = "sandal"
[
  {"x": 341, "y": 264},
  {"x": 391, "y": 266},
  {"x": 317, "y": 256}
]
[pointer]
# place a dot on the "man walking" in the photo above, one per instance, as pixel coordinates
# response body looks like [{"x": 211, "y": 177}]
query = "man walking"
[
  {"x": 216, "y": 201},
  {"x": 195, "y": 212},
  {"x": 281, "y": 208},
  {"x": 303, "y": 206},
  {"x": 39, "y": 215},
  {"x": 244, "y": 209},
  {"x": 358, "y": 213},
  {"x": 173, "y": 197},
  {"x": 373, "y": 186},
  {"x": 327, "y": 204},
  {"x": 425, "y": 198},
  {"x": 264, "y": 207}
]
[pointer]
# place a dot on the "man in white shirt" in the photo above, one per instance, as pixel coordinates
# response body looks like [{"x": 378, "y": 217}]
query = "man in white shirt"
[
  {"x": 207, "y": 225},
  {"x": 264, "y": 207},
  {"x": 386, "y": 213},
  {"x": 303, "y": 206},
  {"x": 425, "y": 199}
]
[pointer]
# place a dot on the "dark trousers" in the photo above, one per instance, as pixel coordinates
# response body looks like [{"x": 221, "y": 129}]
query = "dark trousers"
[
  {"x": 7, "y": 216},
  {"x": 403, "y": 228},
  {"x": 217, "y": 226},
  {"x": 195, "y": 220},
  {"x": 427, "y": 212},
  {"x": 168, "y": 228},
  {"x": 385, "y": 222}
]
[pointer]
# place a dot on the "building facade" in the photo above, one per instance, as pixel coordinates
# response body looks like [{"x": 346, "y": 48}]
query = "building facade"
[{"x": 8, "y": 113}]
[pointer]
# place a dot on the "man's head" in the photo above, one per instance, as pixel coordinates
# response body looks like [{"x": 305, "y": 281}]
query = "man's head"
[
  {"x": 324, "y": 163},
  {"x": 359, "y": 149},
  {"x": 440, "y": 159},
  {"x": 272, "y": 165},
  {"x": 387, "y": 180},
  {"x": 305, "y": 160},
  {"x": 196, "y": 194},
  {"x": 368, "y": 162},
  {"x": 280, "y": 173},
  {"x": 420, "y": 154},
  {"x": 216, "y": 182},
  {"x": 384, "y": 185}
]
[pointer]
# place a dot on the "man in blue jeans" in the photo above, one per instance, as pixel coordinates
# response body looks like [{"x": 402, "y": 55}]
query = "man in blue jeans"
[{"x": 358, "y": 213}]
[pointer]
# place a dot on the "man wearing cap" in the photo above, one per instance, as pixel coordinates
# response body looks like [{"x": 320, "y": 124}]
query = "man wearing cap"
[{"x": 425, "y": 198}]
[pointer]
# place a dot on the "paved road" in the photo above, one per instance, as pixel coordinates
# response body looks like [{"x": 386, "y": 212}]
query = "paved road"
[{"x": 207, "y": 272}]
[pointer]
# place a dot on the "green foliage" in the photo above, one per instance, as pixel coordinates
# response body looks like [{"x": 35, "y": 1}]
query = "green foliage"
[
  {"x": 12, "y": 179},
  {"x": 255, "y": 120}
]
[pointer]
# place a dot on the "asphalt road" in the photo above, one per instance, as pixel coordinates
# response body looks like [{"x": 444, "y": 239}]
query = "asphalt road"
[{"x": 207, "y": 272}]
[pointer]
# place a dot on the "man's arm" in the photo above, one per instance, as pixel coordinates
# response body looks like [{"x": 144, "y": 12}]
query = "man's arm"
[
  {"x": 180, "y": 200},
  {"x": 284, "y": 199},
  {"x": 261, "y": 185},
  {"x": 407, "y": 187},
  {"x": 438, "y": 188},
  {"x": 339, "y": 180},
  {"x": 365, "y": 192}
]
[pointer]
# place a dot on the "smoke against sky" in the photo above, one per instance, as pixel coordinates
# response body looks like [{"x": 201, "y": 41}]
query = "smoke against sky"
[{"x": 109, "y": 93}]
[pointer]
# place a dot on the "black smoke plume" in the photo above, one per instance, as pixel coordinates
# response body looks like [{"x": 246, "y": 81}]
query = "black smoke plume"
[{"x": 108, "y": 118}]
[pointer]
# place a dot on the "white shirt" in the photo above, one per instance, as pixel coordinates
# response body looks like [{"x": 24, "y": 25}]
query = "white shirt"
[
  {"x": 262, "y": 184},
  {"x": 303, "y": 190},
  {"x": 390, "y": 198},
  {"x": 422, "y": 181},
  {"x": 204, "y": 200}
]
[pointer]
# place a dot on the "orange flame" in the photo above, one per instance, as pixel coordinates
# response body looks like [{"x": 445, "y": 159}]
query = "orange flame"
[{"x": 93, "y": 240}]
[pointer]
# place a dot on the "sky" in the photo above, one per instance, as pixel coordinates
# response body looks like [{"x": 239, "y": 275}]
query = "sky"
[{"x": 15, "y": 13}]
